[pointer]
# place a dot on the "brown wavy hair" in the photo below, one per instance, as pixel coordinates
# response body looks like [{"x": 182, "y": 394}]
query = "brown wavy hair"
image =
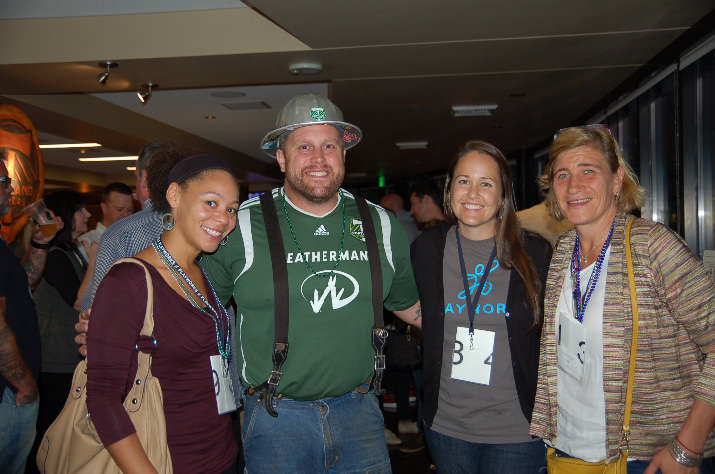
[
  {"x": 598, "y": 138},
  {"x": 511, "y": 251},
  {"x": 162, "y": 160}
]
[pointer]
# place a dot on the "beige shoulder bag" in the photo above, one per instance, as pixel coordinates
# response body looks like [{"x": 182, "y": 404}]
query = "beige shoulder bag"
[{"x": 71, "y": 443}]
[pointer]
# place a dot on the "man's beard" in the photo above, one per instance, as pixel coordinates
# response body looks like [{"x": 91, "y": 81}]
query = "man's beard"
[{"x": 316, "y": 194}]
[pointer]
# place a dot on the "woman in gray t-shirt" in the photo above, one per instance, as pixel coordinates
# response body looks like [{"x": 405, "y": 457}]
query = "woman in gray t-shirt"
[{"x": 481, "y": 287}]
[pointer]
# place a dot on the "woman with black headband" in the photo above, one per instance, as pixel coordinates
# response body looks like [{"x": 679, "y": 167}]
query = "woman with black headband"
[{"x": 191, "y": 328}]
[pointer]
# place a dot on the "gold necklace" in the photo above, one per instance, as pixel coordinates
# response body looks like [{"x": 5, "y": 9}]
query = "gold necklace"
[{"x": 584, "y": 257}]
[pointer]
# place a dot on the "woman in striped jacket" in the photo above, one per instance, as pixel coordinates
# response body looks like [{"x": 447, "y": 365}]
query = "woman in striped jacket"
[{"x": 586, "y": 338}]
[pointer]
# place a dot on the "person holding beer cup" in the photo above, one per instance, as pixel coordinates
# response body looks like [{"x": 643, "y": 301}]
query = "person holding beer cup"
[{"x": 67, "y": 273}]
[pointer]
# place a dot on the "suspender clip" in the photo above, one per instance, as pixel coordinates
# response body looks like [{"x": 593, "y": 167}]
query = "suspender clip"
[
  {"x": 280, "y": 354},
  {"x": 379, "y": 338}
]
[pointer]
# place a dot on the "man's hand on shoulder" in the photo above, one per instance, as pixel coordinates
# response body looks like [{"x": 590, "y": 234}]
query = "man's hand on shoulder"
[{"x": 82, "y": 327}]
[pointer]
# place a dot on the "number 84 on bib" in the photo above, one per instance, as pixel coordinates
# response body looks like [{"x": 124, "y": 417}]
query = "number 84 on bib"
[{"x": 472, "y": 359}]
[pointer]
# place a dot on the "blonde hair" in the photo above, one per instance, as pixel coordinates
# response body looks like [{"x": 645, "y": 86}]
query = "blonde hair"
[{"x": 598, "y": 138}]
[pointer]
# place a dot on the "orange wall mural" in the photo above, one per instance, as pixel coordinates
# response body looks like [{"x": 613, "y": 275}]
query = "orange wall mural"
[{"x": 18, "y": 138}]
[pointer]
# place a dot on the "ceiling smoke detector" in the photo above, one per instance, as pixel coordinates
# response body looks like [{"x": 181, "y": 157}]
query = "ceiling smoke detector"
[
  {"x": 472, "y": 110},
  {"x": 299, "y": 69}
]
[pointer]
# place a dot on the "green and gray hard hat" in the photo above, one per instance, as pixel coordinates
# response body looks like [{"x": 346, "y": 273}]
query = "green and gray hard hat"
[{"x": 309, "y": 109}]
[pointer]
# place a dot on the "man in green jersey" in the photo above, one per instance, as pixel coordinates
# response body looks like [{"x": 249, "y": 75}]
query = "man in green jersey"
[{"x": 327, "y": 419}]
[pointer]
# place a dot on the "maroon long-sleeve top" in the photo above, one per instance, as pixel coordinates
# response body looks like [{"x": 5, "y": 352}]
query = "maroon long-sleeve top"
[{"x": 200, "y": 440}]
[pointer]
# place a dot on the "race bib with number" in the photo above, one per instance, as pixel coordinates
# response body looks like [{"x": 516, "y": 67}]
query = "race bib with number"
[
  {"x": 571, "y": 345},
  {"x": 225, "y": 401},
  {"x": 472, "y": 360}
]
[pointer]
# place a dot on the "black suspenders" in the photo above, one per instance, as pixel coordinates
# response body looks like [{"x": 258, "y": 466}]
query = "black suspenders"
[
  {"x": 280, "y": 295},
  {"x": 379, "y": 333}
]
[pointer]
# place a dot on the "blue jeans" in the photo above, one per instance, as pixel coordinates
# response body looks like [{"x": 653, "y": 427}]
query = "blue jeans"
[
  {"x": 452, "y": 456},
  {"x": 334, "y": 434},
  {"x": 17, "y": 433}
]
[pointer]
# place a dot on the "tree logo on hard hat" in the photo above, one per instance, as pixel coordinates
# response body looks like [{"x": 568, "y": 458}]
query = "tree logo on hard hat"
[{"x": 317, "y": 113}]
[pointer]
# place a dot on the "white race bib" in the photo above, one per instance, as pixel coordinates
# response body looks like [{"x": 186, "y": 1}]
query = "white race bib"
[
  {"x": 472, "y": 358},
  {"x": 571, "y": 338},
  {"x": 225, "y": 401}
]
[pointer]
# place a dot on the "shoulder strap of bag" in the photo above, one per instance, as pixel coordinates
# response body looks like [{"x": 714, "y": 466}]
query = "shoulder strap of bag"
[
  {"x": 133, "y": 400},
  {"x": 634, "y": 337},
  {"x": 148, "y": 327},
  {"x": 280, "y": 297},
  {"x": 379, "y": 333}
]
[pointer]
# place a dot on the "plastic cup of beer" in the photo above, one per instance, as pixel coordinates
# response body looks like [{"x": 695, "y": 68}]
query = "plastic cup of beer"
[{"x": 41, "y": 216}]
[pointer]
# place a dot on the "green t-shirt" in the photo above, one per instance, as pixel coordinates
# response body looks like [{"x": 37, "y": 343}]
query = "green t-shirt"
[{"x": 331, "y": 318}]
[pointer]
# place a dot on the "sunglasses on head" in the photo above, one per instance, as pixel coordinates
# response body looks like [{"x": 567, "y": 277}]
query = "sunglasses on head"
[
  {"x": 592, "y": 126},
  {"x": 6, "y": 181}
]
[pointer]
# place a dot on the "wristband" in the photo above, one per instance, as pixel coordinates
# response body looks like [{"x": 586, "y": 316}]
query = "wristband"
[
  {"x": 686, "y": 448},
  {"x": 38, "y": 245},
  {"x": 681, "y": 456}
]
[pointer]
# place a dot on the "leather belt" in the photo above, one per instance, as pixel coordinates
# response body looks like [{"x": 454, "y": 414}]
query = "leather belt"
[{"x": 258, "y": 390}]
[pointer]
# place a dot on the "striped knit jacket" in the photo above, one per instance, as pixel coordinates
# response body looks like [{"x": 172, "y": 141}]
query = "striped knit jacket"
[{"x": 676, "y": 308}]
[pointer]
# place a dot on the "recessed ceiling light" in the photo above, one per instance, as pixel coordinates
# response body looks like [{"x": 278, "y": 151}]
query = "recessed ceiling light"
[
  {"x": 473, "y": 110},
  {"x": 210, "y": 117},
  {"x": 243, "y": 106},
  {"x": 111, "y": 158},
  {"x": 70, "y": 145},
  {"x": 131, "y": 168},
  {"x": 305, "y": 68},
  {"x": 412, "y": 145},
  {"x": 228, "y": 94}
]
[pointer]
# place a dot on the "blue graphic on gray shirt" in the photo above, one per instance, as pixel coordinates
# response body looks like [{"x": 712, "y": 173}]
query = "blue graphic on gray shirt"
[{"x": 473, "y": 280}]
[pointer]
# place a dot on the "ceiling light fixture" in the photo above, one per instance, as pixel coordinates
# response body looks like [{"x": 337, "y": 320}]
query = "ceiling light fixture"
[
  {"x": 298, "y": 69},
  {"x": 70, "y": 145},
  {"x": 131, "y": 168},
  {"x": 102, "y": 77},
  {"x": 412, "y": 145},
  {"x": 111, "y": 158},
  {"x": 144, "y": 96},
  {"x": 228, "y": 94},
  {"x": 472, "y": 110}
]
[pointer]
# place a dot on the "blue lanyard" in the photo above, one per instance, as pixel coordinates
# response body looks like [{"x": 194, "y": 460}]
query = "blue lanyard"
[
  {"x": 580, "y": 302},
  {"x": 472, "y": 303},
  {"x": 219, "y": 317}
]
